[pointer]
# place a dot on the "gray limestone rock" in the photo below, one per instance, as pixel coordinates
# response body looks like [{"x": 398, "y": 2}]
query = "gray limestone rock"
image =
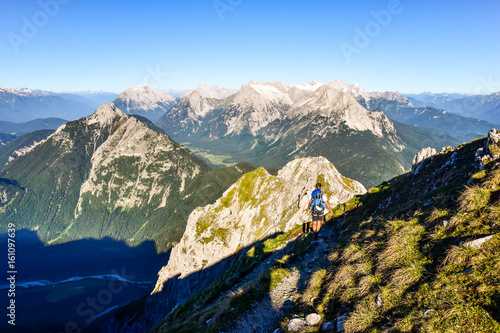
[
  {"x": 313, "y": 319},
  {"x": 297, "y": 324}
]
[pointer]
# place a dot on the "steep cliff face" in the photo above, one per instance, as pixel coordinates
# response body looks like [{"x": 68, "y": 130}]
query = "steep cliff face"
[
  {"x": 188, "y": 115},
  {"x": 257, "y": 206}
]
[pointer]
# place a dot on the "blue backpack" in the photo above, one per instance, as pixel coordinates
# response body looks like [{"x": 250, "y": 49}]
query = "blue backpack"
[{"x": 317, "y": 203}]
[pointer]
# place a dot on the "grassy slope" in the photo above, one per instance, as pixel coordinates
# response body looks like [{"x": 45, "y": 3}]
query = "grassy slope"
[
  {"x": 402, "y": 243},
  {"x": 405, "y": 247}
]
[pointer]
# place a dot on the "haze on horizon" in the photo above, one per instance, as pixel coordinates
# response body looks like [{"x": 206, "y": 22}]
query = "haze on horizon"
[{"x": 404, "y": 45}]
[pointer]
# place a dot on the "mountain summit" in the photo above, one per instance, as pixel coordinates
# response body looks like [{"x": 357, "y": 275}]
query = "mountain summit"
[{"x": 210, "y": 92}]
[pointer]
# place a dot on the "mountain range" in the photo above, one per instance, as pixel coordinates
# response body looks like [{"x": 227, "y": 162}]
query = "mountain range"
[
  {"x": 107, "y": 175},
  {"x": 485, "y": 107},
  {"x": 270, "y": 124},
  {"x": 22, "y": 105},
  {"x": 234, "y": 230}
]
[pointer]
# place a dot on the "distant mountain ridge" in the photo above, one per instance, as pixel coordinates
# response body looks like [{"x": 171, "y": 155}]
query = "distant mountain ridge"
[
  {"x": 209, "y": 92},
  {"x": 30, "y": 126},
  {"x": 485, "y": 107},
  {"x": 21, "y": 105},
  {"x": 270, "y": 124}
]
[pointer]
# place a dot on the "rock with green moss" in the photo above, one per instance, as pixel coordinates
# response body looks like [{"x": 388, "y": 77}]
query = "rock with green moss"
[{"x": 257, "y": 206}]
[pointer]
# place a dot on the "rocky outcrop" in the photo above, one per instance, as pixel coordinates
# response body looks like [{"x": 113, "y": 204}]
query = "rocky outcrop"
[
  {"x": 257, "y": 206},
  {"x": 420, "y": 158},
  {"x": 491, "y": 150},
  {"x": 8, "y": 191}
]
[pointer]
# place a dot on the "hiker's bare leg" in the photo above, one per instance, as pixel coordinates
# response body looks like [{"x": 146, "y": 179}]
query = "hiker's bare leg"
[{"x": 316, "y": 226}]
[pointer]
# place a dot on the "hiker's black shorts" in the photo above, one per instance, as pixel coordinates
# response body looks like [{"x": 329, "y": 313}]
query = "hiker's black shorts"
[{"x": 317, "y": 215}]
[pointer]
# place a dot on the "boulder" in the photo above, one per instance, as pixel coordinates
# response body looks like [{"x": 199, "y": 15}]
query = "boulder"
[
  {"x": 313, "y": 319},
  {"x": 297, "y": 324},
  {"x": 477, "y": 243},
  {"x": 420, "y": 157},
  {"x": 493, "y": 143}
]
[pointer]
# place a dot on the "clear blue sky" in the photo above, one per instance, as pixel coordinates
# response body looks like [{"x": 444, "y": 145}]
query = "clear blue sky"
[{"x": 110, "y": 45}]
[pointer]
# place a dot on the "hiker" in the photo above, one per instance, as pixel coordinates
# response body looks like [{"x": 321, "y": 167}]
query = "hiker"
[{"x": 317, "y": 205}]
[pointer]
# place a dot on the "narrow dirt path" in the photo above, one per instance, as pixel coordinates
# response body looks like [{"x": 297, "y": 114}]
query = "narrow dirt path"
[{"x": 266, "y": 314}]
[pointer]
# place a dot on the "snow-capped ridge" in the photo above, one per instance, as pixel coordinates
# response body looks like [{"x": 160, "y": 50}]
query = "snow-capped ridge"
[{"x": 310, "y": 86}]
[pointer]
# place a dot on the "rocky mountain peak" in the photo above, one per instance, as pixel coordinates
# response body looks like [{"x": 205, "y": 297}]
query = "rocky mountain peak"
[
  {"x": 210, "y": 92},
  {"x": 270, "y": 92},
  {"x": 339, "y": 107},
  {"x": 145, "y": 101},
  {"x": 144, "y": 97},
  {"x": 105, "y": 114},
  {"x": 198, "y": 104},
  {"x": 325, "y": 100},
  {"x": 310, "y": 86}
]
